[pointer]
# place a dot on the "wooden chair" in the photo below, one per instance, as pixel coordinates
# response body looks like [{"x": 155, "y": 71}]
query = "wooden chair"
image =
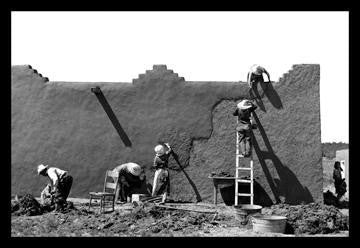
[{"x": 108, "y": 195}]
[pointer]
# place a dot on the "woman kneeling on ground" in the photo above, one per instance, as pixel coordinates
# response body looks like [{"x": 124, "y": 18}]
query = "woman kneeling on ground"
[{"x": 131, "y": 176}]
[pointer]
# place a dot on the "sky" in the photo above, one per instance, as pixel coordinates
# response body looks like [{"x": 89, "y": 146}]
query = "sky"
[{"x": 199, "y": 46}]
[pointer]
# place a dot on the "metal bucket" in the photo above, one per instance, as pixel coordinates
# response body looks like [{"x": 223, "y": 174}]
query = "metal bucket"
[
  {"x": 244, "y": 211},
  {"x": 269, "y": 223}
]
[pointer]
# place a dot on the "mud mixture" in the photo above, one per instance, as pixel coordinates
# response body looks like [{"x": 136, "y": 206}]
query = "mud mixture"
[
  {"x": 29, "y": 206},
  {"x": 313, "y": 218}
]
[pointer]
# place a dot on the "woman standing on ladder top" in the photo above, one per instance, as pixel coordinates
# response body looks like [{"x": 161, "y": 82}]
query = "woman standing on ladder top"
[{"x": 255, "y": 75}]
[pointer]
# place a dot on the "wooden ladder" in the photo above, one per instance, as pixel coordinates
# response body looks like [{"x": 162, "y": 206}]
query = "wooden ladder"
[{"x": 238, "y": 168}]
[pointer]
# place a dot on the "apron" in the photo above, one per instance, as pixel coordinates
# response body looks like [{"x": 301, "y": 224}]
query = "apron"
[{"x": 161, "y": 182}]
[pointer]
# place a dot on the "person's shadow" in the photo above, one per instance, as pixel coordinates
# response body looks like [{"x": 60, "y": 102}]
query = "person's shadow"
[
  {"x": 268, "y": 91},
  {"x": 287, "y": 188},
  {"x": 192, "y": 184}
]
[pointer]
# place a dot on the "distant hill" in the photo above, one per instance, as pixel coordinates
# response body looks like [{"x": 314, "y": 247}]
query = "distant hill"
[{"x": 329, "y": 149}]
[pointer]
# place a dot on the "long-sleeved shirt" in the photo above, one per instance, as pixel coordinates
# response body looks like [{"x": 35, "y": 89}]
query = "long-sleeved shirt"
[
  {"x": 125, "y": 171},
  {"x": 161, "y": 162},
  {"x": 55, "y": 174}
]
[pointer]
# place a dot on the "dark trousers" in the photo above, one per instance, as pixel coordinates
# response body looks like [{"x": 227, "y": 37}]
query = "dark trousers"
[
  {"x": 244, "y": 139},
  {"x": 63, "y": 190},
  {"x": 340, "y": 188}
]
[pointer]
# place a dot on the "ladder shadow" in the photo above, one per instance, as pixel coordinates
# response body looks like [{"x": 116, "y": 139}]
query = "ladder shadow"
[
  {"x": 104, "y": 103},
  {"x": 287, "y": 188}
]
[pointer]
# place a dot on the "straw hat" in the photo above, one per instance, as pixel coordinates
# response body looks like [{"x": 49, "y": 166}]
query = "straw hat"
[
  {"x": 244, "y": 104},
  {"x": 159, "y": 150},
  {"x": 134, "y": 169},
  {"x": 41, "y": 167}
]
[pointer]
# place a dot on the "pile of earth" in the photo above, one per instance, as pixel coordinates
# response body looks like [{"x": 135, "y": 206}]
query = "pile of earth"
[
  {"x": 28, "y": 205},
  {"x": 148, "y": 220},
  {"x": 143, "y": 220},
  {"x": 313, "y": 218}
]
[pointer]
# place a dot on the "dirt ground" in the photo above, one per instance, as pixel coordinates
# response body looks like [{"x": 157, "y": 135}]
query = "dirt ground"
[
  {"x": 310, "y": 220},
  {"x": 142, "y": 221}
]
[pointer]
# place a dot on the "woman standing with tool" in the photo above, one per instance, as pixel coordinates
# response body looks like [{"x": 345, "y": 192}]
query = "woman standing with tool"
[{"x": 161, "y": 183}]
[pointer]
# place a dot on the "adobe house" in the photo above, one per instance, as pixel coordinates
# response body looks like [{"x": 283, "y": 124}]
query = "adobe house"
[{"x": 64, "y": 124}]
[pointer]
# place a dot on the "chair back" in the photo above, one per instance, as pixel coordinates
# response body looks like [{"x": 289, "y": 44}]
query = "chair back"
[{"x": 111, "y": 181}]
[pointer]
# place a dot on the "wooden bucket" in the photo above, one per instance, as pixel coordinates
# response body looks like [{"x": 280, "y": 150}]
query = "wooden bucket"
[
  {"x": 244, "y": 211},
  {"x": 269, "y": 223}
]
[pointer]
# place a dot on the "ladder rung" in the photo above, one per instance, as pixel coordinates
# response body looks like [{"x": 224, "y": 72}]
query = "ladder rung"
[
  {"x": 243, "y": 168},
  {"x": 242, "y": 194},
  {"x": 243, "y": 181}
]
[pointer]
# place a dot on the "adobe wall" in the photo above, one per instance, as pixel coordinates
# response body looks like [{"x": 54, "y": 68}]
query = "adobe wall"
[{"x": 63, "y": 124}]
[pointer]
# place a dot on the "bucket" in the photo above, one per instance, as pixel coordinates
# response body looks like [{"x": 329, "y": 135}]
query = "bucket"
[
  {"x": 269, "y": 223},
  {"x": 244, "y": 211}
]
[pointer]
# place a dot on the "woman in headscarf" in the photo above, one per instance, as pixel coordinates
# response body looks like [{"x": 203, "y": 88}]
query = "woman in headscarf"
[
  {"x": 161, "y": 183},
  {"x": 131, "y": 175}
]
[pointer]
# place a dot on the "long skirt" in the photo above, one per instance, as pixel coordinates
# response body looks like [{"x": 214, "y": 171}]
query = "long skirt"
[{"x": 161, "y": 182}]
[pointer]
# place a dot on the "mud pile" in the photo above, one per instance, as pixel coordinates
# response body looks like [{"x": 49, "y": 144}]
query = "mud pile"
[
  {"x": 144, "y": 220},
  {"x": 28, "y": 205},
  {"x": 313, "y": 218},
  {"x": 165, "y": 221}
]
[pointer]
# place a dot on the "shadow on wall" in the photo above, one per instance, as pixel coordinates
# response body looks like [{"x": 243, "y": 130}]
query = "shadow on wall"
[
  {"x": 267, "y": 90},
  {"x": 287, "y": 188},
  {"x": 198, "y": 196},
  {"x": 260, "y": 195},
  {"x": 104, "y": 103}
]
